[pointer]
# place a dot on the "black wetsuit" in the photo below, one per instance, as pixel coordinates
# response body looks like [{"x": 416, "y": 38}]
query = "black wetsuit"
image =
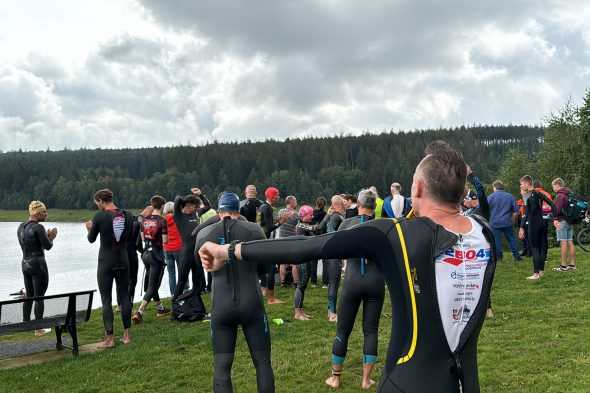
[
  {"x": 115, "y": 228},
  {"x": 186, "y": 223},
  {"x": 249, "y": 208},
  {"x": 318, "y": 216},
  {"x": 303, "y": 272},
  {"x": 237, "y": 300},
  {"x": 133, "y": 246},
  {"x": 265, "y": 218},
  {"x": 363, "y": 283},
  {"x": 533, "y": 218},
  {"x": 153, "y": 227},
  {"x": 33, "y": 239},
  {"x": 419, "y": 356}
]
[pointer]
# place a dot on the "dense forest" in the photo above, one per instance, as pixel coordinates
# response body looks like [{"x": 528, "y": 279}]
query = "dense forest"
[{"x": 306, "y": 168}]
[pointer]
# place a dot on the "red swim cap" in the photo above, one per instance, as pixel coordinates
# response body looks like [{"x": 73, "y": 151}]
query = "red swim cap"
[
  {"x": 305, "y": 211},
  {"x": 271, "y": 192}
]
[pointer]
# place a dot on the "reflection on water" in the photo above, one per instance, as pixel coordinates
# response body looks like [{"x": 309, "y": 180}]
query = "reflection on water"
[{"x": 71, "y": 262}]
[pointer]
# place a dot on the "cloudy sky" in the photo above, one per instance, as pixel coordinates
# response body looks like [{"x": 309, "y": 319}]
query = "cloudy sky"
[{"x": 119, "y": 73}]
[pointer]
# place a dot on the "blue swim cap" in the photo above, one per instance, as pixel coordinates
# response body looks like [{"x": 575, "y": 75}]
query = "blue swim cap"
[{"x": 229, "y": 202}]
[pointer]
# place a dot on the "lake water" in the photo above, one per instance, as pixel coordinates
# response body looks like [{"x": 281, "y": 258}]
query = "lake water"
[{"x": 71, "y": 262}]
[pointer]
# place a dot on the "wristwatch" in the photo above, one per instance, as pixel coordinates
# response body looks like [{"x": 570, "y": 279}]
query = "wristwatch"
[{"x": 232, "y": 249}]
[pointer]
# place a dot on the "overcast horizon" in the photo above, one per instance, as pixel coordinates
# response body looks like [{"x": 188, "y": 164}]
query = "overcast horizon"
[{"x": 116, "y": 74}]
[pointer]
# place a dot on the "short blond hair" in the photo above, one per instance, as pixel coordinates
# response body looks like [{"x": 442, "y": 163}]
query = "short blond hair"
[{"x": 558, "y": 182}]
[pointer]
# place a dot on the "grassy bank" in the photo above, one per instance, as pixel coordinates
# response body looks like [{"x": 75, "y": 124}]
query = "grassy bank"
[
  {"x": 538, "y": 342},
  {"x": 55, "y": 215}
]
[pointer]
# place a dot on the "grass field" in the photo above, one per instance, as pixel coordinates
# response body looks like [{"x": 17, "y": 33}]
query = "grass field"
[{"x": 539, "y": 341}]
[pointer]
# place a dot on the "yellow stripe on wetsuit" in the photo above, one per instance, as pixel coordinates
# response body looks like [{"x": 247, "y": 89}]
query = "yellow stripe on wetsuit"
[{"x": 412, "y": 296}]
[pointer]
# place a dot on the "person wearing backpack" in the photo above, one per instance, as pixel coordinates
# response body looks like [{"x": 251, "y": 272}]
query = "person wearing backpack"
[{"x": 565, "y": 232}]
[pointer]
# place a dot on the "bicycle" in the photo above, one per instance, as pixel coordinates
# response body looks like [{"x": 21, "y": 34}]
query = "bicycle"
[{"x": 583, "y": 236}]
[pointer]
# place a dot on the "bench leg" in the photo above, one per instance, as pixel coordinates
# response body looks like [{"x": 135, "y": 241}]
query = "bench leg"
[
  {"x": 74, "y": 334},
  {"x": 58, "y": 331}
]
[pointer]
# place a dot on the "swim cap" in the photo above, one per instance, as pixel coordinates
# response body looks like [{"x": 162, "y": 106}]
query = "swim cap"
[
  {"x": 305, "y": 211},
  {"x": 229, "y": 202},
  {"x": 36, "y": 207},
  {"x": 271, "y": 192}
]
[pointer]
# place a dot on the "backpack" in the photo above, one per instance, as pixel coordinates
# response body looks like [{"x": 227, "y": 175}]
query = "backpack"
[
  {"x": 576, "y": 208},
  {"x": 188, "y": 307}
]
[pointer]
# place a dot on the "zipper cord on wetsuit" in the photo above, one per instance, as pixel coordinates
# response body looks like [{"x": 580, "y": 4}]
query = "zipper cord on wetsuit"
[
  {"x": 362, "y": 259},
  {"x": 459, "y": 368}
]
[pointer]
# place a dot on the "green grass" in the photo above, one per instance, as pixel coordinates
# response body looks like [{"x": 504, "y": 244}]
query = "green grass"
[
  {"x": 538, "y": 342},
  {"x": 53, "y": 215}
]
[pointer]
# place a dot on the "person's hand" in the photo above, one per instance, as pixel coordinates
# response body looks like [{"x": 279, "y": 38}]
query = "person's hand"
[
  {"x": 469, "y": 170},
  {"x": 330, "y": 211},
  {"x": 196, "y": 191},
  {"x": 213, "y": 256},
  {"x": 51, "y": 233},
  {"x": 521, "y": 234},
  {"x": 556, "y": 224},
  {"x": 285, "y": 217},
  {"x": 89, "y": 224}
]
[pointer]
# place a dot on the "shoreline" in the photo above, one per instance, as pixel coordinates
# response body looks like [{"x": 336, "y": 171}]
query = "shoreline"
[{"x": 54, "y": 215}]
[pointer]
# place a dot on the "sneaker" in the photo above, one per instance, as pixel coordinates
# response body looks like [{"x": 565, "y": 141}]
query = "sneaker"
[
  {"x": 572, "y": 267},
  {"x": 560, "y": 269},
  {"x": 161, "y": 311},
  {"x": 137, "y": 317},
  {"x": 324, "y": 287}
]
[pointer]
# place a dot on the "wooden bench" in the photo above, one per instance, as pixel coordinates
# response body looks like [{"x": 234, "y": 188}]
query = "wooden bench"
[{"x": 61, "y": 312}]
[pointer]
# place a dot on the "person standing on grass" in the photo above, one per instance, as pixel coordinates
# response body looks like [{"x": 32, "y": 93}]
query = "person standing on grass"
[
  {"x": 154, "y": 232},
  {"x": 173, "y": 247},
  {"x": 363, "y": 284},
  {"x": 115, "y": 227},
  {"x": 237, "y": 301},
  {"x": 503, "y": 213},
  {"x": 533, "y": 217},
  {"x": 565, "y": 230},
  {"x": 428, "y": 263},
  {"x": 33, "y": 239}
]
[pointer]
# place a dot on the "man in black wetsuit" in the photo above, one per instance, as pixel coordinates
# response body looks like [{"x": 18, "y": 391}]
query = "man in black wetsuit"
[
  {"x": 186, "y": 216},
  {"x": 250, "y": 205},
  {"x": 363, "y": 283},
  {"x": 265, "y": 218},
  {"x": 533, "y": 218},
  {"x": 33, "y": 239},
  {"x": 237, "y": 300},
  {"x": 318, "y": 215},
  {"x": 438, "y": 266},
  {"x": 115, "y": 227}
]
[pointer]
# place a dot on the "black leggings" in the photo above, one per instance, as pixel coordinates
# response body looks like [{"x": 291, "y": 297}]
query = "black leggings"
[
  {"x": 334, "y": 270},
  {"x": 154, "y": 272},
  {"x": 133, "y": 268},
  {"x": 224, "y": 330},
  {"x": 538, "y": 244},
  {"x": 36, "y": 279},
  {"x": 188, "y": 264},
  {"x": 267, "y": 280},
  {"x": 355, "y": 291},
  {"x": 303, "y": 271},
  {"x": 106, "y": 275}
]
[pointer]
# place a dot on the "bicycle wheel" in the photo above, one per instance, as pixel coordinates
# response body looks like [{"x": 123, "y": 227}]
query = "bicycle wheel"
[{"x": 584, "y": 239}]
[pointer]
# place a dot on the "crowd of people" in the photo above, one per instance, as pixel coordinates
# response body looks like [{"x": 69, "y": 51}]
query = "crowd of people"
[{"x": 436, "y": 253}]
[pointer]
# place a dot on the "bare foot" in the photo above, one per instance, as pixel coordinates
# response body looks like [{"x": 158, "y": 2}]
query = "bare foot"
[
  {"x": 534, "y": 277},
  {"x": 490, "y": 313},
  {"x": 332, "y": 317},
  {"x": 263, "y": 291},
  {"x": 541, "y": 273},
  {"x": 301, "y": 317},
  {"x": 366, "y": 385},
  {"x": 42, "y": 332},
  {"x": 333, "y": 382},
  {"x": 275, "y": 301},
  {"x": 118, "y": 309},
  {"x": 307, "y": 315},
  {"x": 108, "y": 342},
  {"x": 126, "y": 339}
]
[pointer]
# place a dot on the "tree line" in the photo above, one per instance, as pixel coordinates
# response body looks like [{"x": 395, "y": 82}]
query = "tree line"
[{"x": 306, "y": 168}]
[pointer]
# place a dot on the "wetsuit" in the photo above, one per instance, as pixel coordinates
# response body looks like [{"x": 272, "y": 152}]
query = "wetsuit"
[
  {"x": 438, "y": 292},
  {"x": 133, "y": 246},
  {"x": 115, "y": 228},
  {"x": 318, "y": 216},
  {"x": 533, "y": 218},
  {"x": 186, "y": 223},
  {"x": 303, "y": 272},
  {"x": 363, "y": 283},
  {"x": 330, "y": 223},
  {"x": 249, "y": 208},
  {"x": 265, "y": 218},
  {"x": 153, "y": 227},
  {"x": 237, "y": 300},
  {"x": 33, "y": 239}
]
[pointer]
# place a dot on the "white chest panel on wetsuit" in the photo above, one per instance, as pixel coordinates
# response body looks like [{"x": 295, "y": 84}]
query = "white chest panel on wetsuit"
[{"x": 459, "y": 277}]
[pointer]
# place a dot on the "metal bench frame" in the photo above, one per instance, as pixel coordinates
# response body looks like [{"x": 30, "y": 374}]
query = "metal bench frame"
[{"x": 65, "y": 322}]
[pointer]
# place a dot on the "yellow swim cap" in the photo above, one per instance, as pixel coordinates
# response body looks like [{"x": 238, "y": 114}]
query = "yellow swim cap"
[{"x": 36, "y": 207}]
